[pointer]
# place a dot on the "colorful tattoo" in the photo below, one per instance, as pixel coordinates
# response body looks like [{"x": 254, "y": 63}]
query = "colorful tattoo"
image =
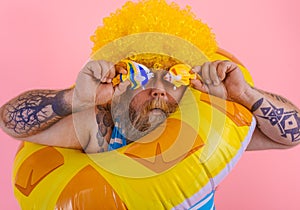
[{"x": 35, "y": 111}]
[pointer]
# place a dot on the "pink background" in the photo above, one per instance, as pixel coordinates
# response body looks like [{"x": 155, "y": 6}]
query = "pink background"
[{"x": 45, "y": 43}]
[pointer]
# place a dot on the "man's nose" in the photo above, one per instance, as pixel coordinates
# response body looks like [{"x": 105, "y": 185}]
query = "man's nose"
[{"x": 158, "y": 93}]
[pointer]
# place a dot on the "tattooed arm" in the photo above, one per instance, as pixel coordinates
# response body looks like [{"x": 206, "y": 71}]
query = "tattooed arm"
[
  {"x": 46, "y": 116},
  {"x": 88, "y": 130},
  {"x": 35, "y": 111},
  {"x": 25, "y": 116},
  {"x": 278, "y": 120}
]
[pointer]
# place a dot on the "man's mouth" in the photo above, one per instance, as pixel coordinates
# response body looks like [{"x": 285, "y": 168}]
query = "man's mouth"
[{"x": 157, "y": 111}]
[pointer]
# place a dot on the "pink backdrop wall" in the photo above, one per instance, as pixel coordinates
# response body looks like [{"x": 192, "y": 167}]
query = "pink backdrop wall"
[{"x": 45, "y": 43}]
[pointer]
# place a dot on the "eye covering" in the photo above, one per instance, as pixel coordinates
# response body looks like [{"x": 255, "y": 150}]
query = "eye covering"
[
  {"x": 139, "y": 75},
  {"x": 179, "y": 74}
]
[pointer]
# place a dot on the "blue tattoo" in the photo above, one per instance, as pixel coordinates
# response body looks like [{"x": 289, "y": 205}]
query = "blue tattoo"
[
  {"x": 35, "y": 111},
  {"x": 288, "y": 122},
  {"x": 256, "y": 105}
]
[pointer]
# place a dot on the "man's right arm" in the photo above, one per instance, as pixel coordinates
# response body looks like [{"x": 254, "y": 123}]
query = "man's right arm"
[
  {"x": 66, "y": 118},
  {"x": 46, "y": 117},
  {"x": 34, "y": 111},
  {"x": 37, "y": 110}
]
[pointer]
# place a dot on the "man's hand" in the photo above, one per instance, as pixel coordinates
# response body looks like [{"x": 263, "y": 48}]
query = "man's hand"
[
  {"x": 277, "y": 118},
  {"x": 223, "y": 79},
  {"x": 93, "y": 84}
]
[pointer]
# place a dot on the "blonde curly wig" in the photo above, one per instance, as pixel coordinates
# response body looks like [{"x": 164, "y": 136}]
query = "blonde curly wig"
[{"x": 154, "y": 16}]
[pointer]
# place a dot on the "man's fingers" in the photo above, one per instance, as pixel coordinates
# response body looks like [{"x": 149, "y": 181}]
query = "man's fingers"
[
  {"x": 197, "y": 70},
  {"x": 92, "y": 68},
  {"x": 110, "y": 75},
  {"x": 198, "y": 85},
  {"x": 121, "y": 88},
  {"x": 205, "y": 73},
  {"x": 114, "y": 70},
  {"x": 104, "y": 94},
  {"x": 227, "y": 66},
  {"x": 214, "y": 78},
  {"x": 108, "y": 71},
  {"x": 99, "y": 70},
  {"x": 214, "y": 72},
  {"x": 222, "y": 69},
  {"x": 121, "y": 68}
]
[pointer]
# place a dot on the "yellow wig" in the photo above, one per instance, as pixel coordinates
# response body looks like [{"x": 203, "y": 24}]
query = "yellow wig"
[{"x": 155, "y": 16}]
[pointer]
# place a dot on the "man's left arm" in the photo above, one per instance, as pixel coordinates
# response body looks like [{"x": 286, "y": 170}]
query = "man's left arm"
[{"x": 278, "y": 120}]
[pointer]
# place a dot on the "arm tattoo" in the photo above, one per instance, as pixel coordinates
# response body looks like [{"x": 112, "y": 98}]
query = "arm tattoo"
[
  {"x": 105, "y": 125},
  {"x": 35, "y": 111},
  {"x": 256, "y": 105},
  {"x": 287, "y": 121}
]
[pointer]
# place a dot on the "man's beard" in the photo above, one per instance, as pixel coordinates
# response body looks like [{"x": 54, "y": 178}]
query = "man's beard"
[
  {"x": 151, "y": 114},
  {"x": 139, "y": 121}
]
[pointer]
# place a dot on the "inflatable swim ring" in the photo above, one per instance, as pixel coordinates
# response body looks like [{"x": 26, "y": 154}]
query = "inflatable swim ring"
[
  {"x": 147, "y": 175},
  {"x": 177, "y": 166}
]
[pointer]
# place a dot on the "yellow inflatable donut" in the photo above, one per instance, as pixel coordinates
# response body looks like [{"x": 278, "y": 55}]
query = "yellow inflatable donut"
[{"x": 177, "y": 166}]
